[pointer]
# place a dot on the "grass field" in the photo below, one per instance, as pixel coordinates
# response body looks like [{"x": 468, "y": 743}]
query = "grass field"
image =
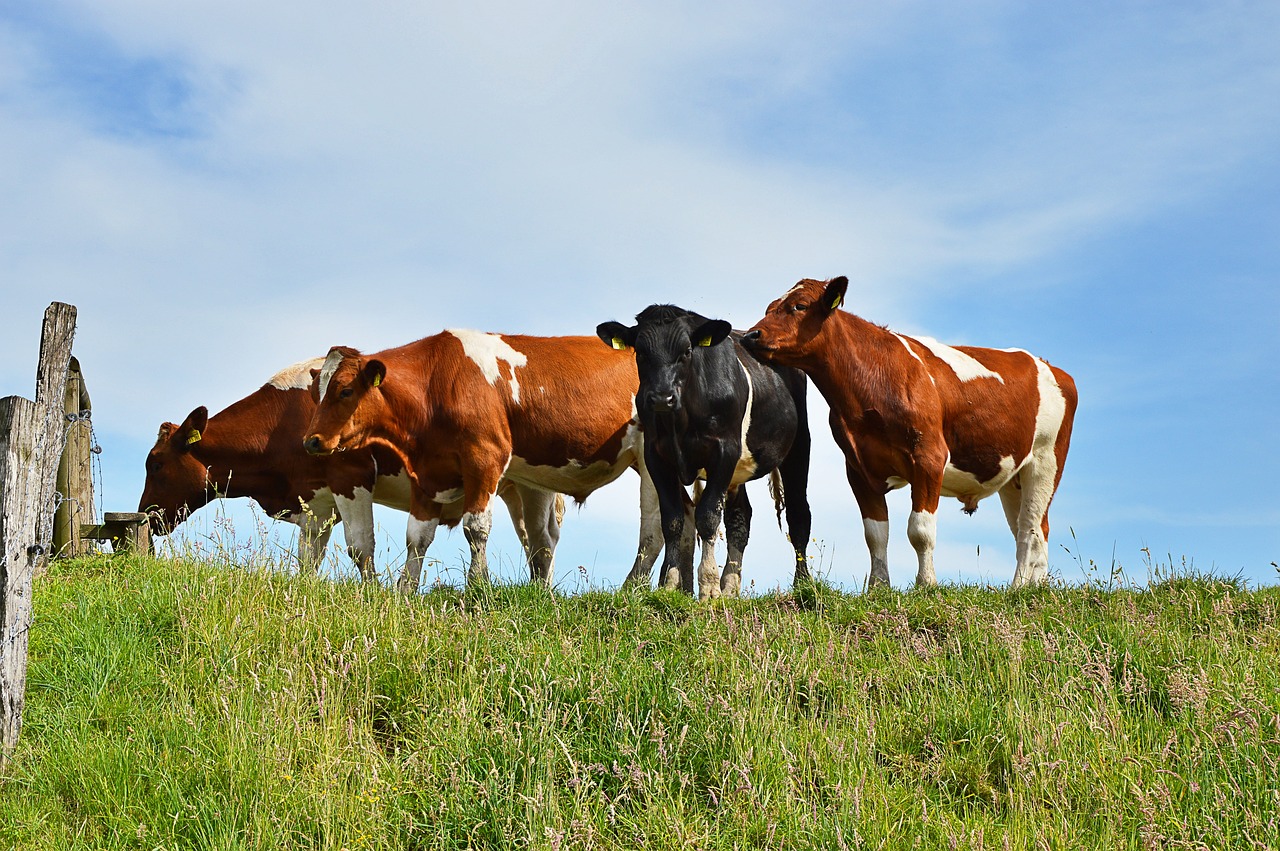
[{"x": 178, "y": 704}]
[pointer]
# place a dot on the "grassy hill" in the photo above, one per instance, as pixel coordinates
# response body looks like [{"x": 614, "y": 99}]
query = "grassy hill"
[{"x": 174, "y": 704}]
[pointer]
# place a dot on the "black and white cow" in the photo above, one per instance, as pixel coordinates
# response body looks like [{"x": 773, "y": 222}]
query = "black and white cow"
[{"x": 709, "y": 409}]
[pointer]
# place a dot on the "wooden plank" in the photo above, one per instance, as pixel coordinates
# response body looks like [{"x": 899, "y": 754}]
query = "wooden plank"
[
  {"x": 31, "y": 440},
  {"x": 127, "y": 531},
  {"x": 75, "y": 471},
  {"x": 19, "y": 497}
]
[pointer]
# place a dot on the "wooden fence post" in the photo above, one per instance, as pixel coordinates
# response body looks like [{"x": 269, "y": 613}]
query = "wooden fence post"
[
  {"x": 31, "y": 439},
  {"x": 75, "y": 471}
]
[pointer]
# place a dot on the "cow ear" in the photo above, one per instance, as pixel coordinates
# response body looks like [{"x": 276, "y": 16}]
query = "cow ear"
[
  {"x": 833, "y": 295},
  {"x": 166, "y": 432},
  {"x": 314, "y": 387},
  {"x": 711, "y": 333},
  {"x": 616, "y": 335},
  {"x": 374, "y": 372},
  {"x": 193, "y": 427}
]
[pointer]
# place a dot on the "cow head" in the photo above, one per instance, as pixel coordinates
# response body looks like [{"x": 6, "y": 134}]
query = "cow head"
[
  {"x": 792, "y": 325},
  {"x": 664, "y": 340},
  {"x": 177, "y": 480},
  {"x": 348, "y": 395}
]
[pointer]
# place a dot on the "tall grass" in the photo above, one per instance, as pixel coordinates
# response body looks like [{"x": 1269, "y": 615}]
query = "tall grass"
[{"x": 178, "y": 704}]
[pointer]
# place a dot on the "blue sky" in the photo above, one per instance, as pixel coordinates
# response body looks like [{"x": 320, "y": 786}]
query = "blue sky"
[{"x": 225, "y": 191}]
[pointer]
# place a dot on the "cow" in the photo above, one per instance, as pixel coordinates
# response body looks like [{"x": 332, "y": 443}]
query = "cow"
[
  {"x": 709, "y": 409},
  {"x": 961, "y": 421},
  {"x": 463, "y": 408},
  {"x": 252, "y": 449}
]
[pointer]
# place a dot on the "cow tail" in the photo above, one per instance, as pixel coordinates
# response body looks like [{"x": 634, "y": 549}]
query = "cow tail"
[{"x": 779, "y": 494}]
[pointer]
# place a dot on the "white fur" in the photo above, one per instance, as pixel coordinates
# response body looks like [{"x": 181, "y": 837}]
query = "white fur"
[
  {"x": 965, "y": 486},
  {"x": 331, "y": 364},
  {"x": 903, "y": 340},
  {"x": 877, "y": 535},
  {"x": 297, "y": 376},
  {"x": 418, "y": 536},
  {"x": 746, "y": 466},
  {"x": 356, "y": 512},
  {"x": 922, "y": 531},
  {"x": 485, "y": 350},
  {"x": 1038, "y": 480},
  {"x": 965, "y": 367}
]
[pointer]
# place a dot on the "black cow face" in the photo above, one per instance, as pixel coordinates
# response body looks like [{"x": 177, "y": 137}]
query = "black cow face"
[{"x": 664, "y": 340}]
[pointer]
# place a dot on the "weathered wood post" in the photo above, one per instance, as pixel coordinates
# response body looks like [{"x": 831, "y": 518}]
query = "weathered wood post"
[
  {"x": 75, "y": 471},
  {"x": 31, "y": 439}
]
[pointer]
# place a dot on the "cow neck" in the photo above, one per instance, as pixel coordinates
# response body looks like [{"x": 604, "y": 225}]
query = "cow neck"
[
  {"x": 263, "y": 427},
  {"x": 419, "y": 374},
  {"x": 856, "y": 362}
]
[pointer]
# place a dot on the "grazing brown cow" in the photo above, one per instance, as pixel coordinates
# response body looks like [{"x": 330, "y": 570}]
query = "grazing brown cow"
[
  {"x": 965, "y": 422},
  {"x": 462, "y": 408},
  {"x": 253, "y": 449}
]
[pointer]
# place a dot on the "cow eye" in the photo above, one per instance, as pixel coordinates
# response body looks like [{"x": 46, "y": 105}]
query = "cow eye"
[
  {"x": 345, "y": 393},
  {"x": 799, "y": 307}
]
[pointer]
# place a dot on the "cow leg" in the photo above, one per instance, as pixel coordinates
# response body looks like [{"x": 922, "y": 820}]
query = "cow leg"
[
  {"x": 356, "y": 512},
  {"x": 922, "y": 526},
  {"x": 677, "y": 528},
  {"x": 794, "y": 473},
  {"x": 737, "y": 527},
  {"x": 650, "y": 545},
  {"x": 419, "y": 533},
  {"x": 313, "y": 536},
  {"x": 511, "y": 496},
  {"x": 481, "y": 475},
  {"x": 1032, "y": 530},
  {"x": 676, "y": 512},
  {"x": 875, "y": 523},
  {"x": 476, "y": 526},
  {"x": 538, "y": 510},
  {"x": 709, "y": 515}
]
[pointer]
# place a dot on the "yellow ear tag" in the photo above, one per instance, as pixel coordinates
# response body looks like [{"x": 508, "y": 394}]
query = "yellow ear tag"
[
  {"x": 705, "y": 341},
  {"x": 837, "y": 301},
  {"x": 619, "y": 344},
  {"x": 194, "y": 436},
  {"x": 377, "y": 381}
]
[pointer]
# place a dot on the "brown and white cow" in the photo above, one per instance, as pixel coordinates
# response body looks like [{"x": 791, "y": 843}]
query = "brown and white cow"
[
  {"x": 253, "y": 449},
  {"x": 463, "y": 408},
  {"x": 956, "y": 421}
]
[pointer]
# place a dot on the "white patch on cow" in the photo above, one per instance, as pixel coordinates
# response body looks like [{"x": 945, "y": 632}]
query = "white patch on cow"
[
  {"x": 331, "y": 364},
  {"x": 1038, "y": 479},
  {"x": 356, "y": 512},
  {"x": 895, "y": 482},
  {"x": 297, "y": 376},
  {"x": 746, "y": 466},
  {"x": 965, "y": 486},
  {"x": 965, "y": 367},
  {"x": 485, "y": 350},
  {"x": 574, "y": 478},
  {"x": 393, "y": 491},
  {"x": 451, "y": 495},
  {"x": 877, "y": 535},
  {"x": 315, "y": 524},
  {"x": 903, "y": 340},
  {"x": 922, "y": 531}
]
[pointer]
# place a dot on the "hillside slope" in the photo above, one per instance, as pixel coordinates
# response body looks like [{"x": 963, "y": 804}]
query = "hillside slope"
[{"x": 181, "y": 705}]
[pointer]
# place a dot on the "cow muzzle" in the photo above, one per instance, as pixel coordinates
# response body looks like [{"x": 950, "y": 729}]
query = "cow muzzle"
[
  {"x": 662, "y": 403},
  {"x": 314, "y": 446}
]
